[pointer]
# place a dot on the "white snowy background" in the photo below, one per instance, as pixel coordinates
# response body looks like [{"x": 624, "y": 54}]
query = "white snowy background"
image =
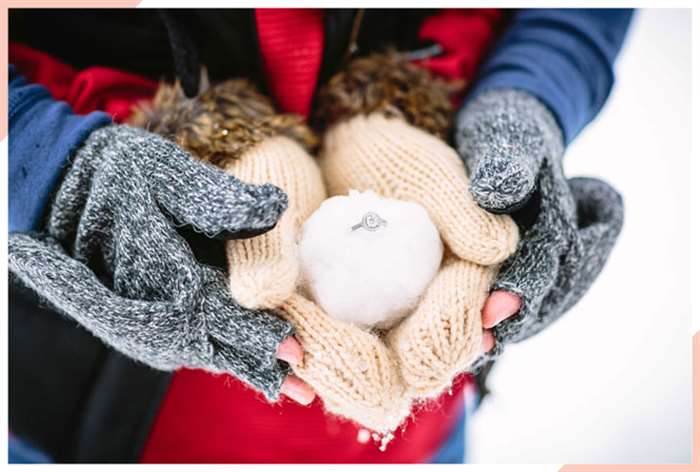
[{"x": 611, "y": 381}]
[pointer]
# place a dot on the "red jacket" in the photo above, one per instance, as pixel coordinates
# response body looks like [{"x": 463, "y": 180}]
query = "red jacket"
[{"x": 215, "y": 418}]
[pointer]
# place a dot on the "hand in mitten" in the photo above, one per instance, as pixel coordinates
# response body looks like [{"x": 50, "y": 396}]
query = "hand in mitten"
[
  {"x": 111, "y": 259},
  {"x": 350, "y": 368},
  {"x": 443, "y": 336},
  {"x": 513, "y": 146},
  {"x": 382, "y": 112},
  {"x": 236, "y": 128}
]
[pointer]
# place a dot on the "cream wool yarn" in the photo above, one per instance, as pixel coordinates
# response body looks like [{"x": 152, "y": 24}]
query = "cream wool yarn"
[
  {"x": 351, "y": 369},
  {"x": 235, "y": 128},
  {"x": 264, "y": 270},
  {"x": 398, "y": 160},
  {"x": 442, "y": 337}
]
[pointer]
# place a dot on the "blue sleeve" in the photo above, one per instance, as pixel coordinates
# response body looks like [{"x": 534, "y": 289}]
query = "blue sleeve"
[
  {"x": 42, "y": 135},
  {"x": 563, "y": 57}
]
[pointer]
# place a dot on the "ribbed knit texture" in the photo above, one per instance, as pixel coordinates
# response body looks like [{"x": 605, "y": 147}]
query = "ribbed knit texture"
[
  {"x": 397, "y": 160},
  {"x": 264, "y": 269},
  {"x": 350, "y": 368},
  {"x": 400, "y": 161},
  {"x": 291, "y": 43},
  {"x": 111, "y": 259},
  {"x": 384, "y": 134},
  {"x": 513, "y": 147},
  {"x": 442, "y": 338},
  {"x": 358, "y": 373}
]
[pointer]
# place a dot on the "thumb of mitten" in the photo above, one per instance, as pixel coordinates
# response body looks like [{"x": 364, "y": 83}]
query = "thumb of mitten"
[{"x": 264, "y": 269}]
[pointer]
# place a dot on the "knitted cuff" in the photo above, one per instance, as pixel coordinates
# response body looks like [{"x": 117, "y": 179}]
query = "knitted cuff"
[
  {"x": 389, "y": 84},
  {"x": 249, "y": 347},
  {"x": 221, "y": 123}
]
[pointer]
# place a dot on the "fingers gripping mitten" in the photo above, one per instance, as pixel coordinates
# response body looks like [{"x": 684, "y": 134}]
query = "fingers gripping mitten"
[
  {"x": 236, "y": 128},
  {"x": 513, "y": 147},
  {"x": 386, "y": 122},
  {"x": 350, "y": 368},
  {"x": 111, "y": 258},
  {"x": 442, "y": 338}
]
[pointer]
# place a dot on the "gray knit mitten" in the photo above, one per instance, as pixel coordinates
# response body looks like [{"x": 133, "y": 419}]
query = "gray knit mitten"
[
  {"x": 513, "y": 147},
  {"x": 111, "y": 258}
]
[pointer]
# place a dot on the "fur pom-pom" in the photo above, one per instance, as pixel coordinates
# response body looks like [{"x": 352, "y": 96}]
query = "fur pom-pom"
[
  {"x": 390, "y": 84},
  {"x": 220, "y": 123}
]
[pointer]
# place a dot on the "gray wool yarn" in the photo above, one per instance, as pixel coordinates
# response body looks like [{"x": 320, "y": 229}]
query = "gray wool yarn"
[
  {"x": 513, "y": 147},
  {"x": 111, "y": 258}
]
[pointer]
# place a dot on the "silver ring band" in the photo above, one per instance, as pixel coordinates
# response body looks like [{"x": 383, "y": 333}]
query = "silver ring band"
[{"x": 370, "y": 221}]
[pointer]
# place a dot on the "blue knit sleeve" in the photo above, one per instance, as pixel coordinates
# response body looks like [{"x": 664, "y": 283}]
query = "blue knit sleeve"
[
  {"x": 563, "y": 57},
  {"x": 42, "y": 135}
]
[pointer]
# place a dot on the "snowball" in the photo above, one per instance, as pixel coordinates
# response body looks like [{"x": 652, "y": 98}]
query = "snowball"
[{"x": 370, "y": 278}]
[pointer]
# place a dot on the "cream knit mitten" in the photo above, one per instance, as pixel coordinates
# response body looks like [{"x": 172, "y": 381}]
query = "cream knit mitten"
[
  {"x": 386, "y": 121},
  {"x": 351, "y": 369},
  {"x": 442, "y": 338},
  {"x": 264, "y": 270},
  {"x": 237, "y": 129},
  {"x": 398, "y": 160}
]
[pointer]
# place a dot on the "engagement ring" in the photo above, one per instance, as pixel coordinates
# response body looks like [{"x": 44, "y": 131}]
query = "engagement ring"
[{"x": 371, "y": 222}]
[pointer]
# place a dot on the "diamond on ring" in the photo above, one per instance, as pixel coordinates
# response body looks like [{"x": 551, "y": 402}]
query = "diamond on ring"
[{"x": 370, "y": 221}]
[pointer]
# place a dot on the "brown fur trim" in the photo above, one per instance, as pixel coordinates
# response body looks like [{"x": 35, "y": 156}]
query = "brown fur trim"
[
  {"x": 388, "y": 83},
  {"x": 221, "y": 123}
]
